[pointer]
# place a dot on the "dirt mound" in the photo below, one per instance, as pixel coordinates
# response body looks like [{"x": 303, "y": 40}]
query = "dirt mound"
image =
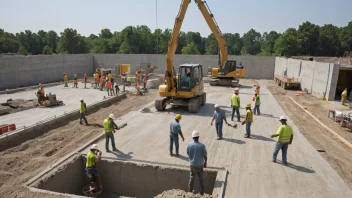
[
  {"x": 13, "y": 106},
  {"x": 175, "y": 193}
]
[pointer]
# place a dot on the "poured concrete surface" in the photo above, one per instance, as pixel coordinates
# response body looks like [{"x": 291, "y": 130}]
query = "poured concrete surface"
[
  {"x": 70, "y": 96},
  {"x": 251, "y": 173}
]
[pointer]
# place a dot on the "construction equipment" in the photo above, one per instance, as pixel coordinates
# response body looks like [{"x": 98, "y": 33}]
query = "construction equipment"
[
  {"x": 48, "y": 100},
  {"x": 227, "y": 72},
  {"x": 188, "y": 88}
]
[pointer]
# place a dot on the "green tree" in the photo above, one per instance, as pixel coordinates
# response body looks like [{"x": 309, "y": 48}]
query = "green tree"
[
  {"x": 8, "y": 44},
  {"x": 100, "y": 46},
  {"x": 230, "y": 41},
  {"x": 329, "y": 43},
  {"x": 237, "y": 47},
  {"x": 52, "y": 39},
  {"x": 47, "y": 50},
  {"x": 71, "y": 42},
  {"x": 308, "y": 34},
  {"x": 346, "y": 38},
  {"x": 287, "y": 44},
  {"x": 268, "y": 42},
  {"x": 22, "y": 50},
  {"x": 211, "y": 45},
  {"x": 196, "y": 38},
  {"x": 181, "y": 43},
  {"x": 105, "y": 34},
  {"x": 251, "y": 42},
  {"x": 190, "y": 48}
]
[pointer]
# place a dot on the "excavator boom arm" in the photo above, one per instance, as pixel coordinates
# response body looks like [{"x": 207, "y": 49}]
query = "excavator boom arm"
[
  {"x": 169, "y": 75},
  {"x": 209, "y": 18}
]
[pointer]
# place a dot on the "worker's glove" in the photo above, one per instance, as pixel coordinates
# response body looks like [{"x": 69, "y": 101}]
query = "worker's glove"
[{"x": 272, "y": 136}]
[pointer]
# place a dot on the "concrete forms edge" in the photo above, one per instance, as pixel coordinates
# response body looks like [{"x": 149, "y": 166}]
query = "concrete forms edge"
[{"x": 42, "y": 127}]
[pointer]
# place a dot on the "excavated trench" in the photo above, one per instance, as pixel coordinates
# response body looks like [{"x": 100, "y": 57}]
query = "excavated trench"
[{"x": 124, "y": 178}]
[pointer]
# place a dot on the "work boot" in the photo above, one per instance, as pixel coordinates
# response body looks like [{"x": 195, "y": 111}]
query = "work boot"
[
  {"x": 177, "y": 155},
  {"x": 171, "y": 154},
  {"x": 273, "y": 160},
  {"x": 285, "y": 163},
  {"x": 80, "y": 123}
]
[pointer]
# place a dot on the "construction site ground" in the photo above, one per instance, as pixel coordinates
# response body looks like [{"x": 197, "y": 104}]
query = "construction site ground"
[
  {"x": 70, "y": 96},
  {"x": 146, "y": 137}
]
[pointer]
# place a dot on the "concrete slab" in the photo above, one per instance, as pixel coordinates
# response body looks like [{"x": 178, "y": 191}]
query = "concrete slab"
[
  {"x": 251, "y": 173},
  {"x": 70, "y": 96}
]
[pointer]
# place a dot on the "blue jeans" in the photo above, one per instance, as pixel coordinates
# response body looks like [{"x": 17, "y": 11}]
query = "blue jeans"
[
  {"x": 174, "y": 138},
  {"x": 218, "y": 127},
  {"x": 196, "y": 170},
  {"x": 83, "y": 117},
  {"x": 109, "y": 135},
  {"x": 66, "y": 85},
  {"x": 248, "y": 128},
  {"x": 237, "y": 111},
  {"x": 256, "y": 109},
  {"x": 283, "y": 146}
]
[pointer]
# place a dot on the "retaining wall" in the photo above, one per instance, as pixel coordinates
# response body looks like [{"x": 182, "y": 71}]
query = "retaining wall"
[
  {"x": 32, "y": 70},
  {"x": 316, "y": 77},
  {"x": 30, "y": 132}
]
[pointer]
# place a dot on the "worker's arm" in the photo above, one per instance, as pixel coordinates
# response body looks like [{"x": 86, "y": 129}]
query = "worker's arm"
[
  {"x": 114, "y": 126},
  {"x": 291, "y": 139},
  {"x": 212, "y": 120},
  {"x": 277, "y": 133},
  {"x": 224, "y": 116},
  {"x": 245, "y": 119},
  {"x": 98, "y": 158},
  {"x": 205, "y": 156},
  {"x": 180, "y": 132}
]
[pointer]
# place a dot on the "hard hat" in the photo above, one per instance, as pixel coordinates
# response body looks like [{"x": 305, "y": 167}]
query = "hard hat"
[
  {"x": 283, "y": 118},
  {"x": 195, "y": 134},
  {"x": 178, "y": 116},
  {"x": 80, "y": 99},
  {"x": 112, "y": 116},
  {"x": 94, "y": 146},
  {"x": 216, "y": 105},
  {"x": 236, "y": 90},
  {"x": 63, "y": 73},
  {"x": 248, "y": 105}
]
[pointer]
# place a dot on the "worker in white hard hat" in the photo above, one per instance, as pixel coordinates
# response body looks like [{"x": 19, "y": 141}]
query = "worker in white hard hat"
[
  {"x": 219, "y": 117},
  {"x": 93, "y": 158},
  {"x": 109, "y": 128},
  {"x": 285, "y": 134},
  {"x": 82, "y": 111},
  {"x": 248, "y": 120},
  {"x": 197, "y": 154},
  {"x": 175, "y": 131}
]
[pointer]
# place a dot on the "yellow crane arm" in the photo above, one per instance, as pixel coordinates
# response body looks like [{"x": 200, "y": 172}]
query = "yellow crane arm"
[
  {"x": 171, "y": 50},
  {"x": 209, "y": 18}
]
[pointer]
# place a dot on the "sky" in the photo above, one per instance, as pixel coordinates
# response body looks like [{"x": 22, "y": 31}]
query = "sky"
[{"x": 232, "y": 16}]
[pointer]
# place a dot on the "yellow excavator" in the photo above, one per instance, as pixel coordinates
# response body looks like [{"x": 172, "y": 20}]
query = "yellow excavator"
[{"x": 186, "y": 88}]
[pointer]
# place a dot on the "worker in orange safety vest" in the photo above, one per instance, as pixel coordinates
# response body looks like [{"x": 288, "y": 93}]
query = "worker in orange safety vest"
[{"x": 75, "y": 81}]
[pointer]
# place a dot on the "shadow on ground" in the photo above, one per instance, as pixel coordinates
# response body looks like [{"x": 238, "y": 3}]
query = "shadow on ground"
[
  {"x": 262, "y": 138},
  {"x": 236, "y": 141},
  {"x": 120, "y": 154}
]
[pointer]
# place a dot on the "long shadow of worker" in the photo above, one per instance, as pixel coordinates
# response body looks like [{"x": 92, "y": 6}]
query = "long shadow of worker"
[
  {"x": 234, "y": 141},
  {"x": 268, "y": 115},
  {"x": 120, "y": 154},
  {"x": 185, "y": 158},
  {"x": 259, "y": 137},
  {"x": 298, "y": 168},
  {"x": 96, "y": 125}
]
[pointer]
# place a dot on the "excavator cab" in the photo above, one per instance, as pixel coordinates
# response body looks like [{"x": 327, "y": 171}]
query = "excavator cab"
[{"x": 189, "y": 76}]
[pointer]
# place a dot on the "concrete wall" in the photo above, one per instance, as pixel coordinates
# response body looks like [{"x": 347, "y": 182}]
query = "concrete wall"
[
  {"x": 316, "y": 77},
  {"x": 32, "y": 70},
  {"x": 257, "y": 67}
]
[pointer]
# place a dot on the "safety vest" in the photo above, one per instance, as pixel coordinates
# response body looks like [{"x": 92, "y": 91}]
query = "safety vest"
[
  {"x": 284, "y": 133},
  {"x": 90, "y": 159},
  {"x": 83, "y": 107},
  {"x": 109, "y": 85},
  {"x": 344, "y": 93},
  {"x": 110, "y": 76},
  {"x": 107, "y": 125},
  {"x": 249, "y": 116},
  {"x": 235, "y": 100},
  {"x": 65, "y": 78},
  {"x": 257, "y": 101}
]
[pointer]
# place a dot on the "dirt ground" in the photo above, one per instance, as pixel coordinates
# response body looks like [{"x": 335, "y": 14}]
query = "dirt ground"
[
  {"x": 17, "y": 105},
  {"x": 21, "y": 163},
  {"x": 336, "y": 153},
  {"x": 181, "y": 194}
]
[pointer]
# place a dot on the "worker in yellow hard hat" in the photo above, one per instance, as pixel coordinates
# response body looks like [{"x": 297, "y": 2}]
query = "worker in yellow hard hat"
[
  {"x": 175, "y": 131},
  {"x": 344, "y": 96},
  {"x": 65, "y": 80},
  {"x": 248, "y": 120}
]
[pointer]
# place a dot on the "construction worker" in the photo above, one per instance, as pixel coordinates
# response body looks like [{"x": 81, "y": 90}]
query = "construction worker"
[
  {"x": 344, "y": 96},
  {"x": 219, "y": 116},
  {"x": 109, "y": 88},
  {"x": 235, "y": 102},
  {"x": 102, "y": 82},
  {"x": 85, "y": 80},
  {"x": 96, "y": 80},
  {"x": 285, "y": 134},
  {"x": 93, "y": 158},
  {"x": 145, "y": 82},
  {"x": 257, "y": 90},
  {"x": 117, "y": 88},
  {"x": 248, "y": 120},
  {"x": 175, "y": 131},
  {"x": 110, "y": 77},
  {"x": 256, "y": 109},
  {"x": 109, "y": 128},
  {"x": 65, "y": 80},
  {"x": 82, "y": 111},
  {"x": 75, "y": 81},
  {"x": 197, "y": 154},
  {"x": 41, "y": 88}
]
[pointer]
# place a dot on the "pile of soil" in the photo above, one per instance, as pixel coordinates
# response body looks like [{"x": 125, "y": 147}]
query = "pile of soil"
[
  {"x": 20, "y": 163},
  {"x": 175, "y": 193},
  {"x": 13, "y": 106}
]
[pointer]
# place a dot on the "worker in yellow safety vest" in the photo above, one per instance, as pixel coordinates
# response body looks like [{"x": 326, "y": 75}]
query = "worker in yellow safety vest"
[
  {"x": 248, "y": 120},
  {"x": 96, "y": 80},
  {"x": 257, "y": 103},
  {"x": 82, "y": 111},
  {"x": 344, "y": 96},
  {"x": 235, "y": 103},
  {"x": 93, "y": 158},
  {"x": 109, "y": 128},
  {"x": 65, "y": 80},
  {"x": 285, "y": 134},
  {"x": 110, "y": 78}
]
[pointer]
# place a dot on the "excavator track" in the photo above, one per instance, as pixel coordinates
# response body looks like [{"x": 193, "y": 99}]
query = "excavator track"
[
  {"x": 160, "y": 104},
  {"x": 193, "y": 105}
]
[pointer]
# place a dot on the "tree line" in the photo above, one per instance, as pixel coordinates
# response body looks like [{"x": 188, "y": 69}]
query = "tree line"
[{"x": 308, "y": 39}]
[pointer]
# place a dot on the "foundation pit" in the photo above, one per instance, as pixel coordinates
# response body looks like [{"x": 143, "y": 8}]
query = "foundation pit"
[{"x": 122, "y": 178}]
